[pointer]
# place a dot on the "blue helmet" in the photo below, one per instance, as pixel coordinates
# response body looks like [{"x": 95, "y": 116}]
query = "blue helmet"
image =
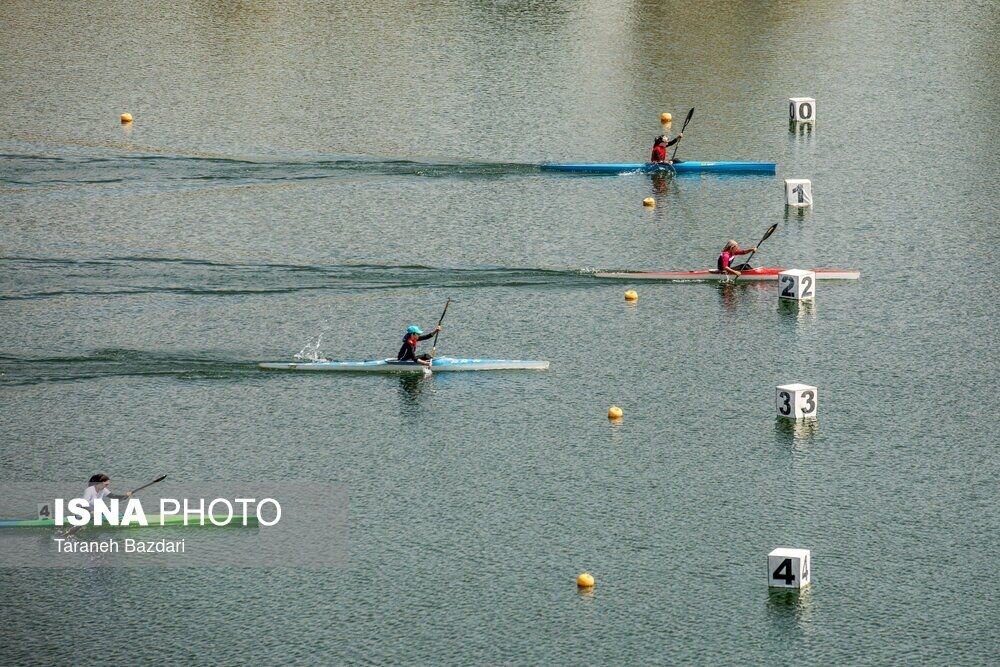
[{"x": 414, "y": 329}]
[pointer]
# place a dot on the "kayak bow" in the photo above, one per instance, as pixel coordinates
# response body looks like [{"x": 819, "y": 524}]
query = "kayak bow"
[
  {"x": 687, "y": 166},
  {"x": 763, "y": 273},
  {"x": 439, "y": 365}
]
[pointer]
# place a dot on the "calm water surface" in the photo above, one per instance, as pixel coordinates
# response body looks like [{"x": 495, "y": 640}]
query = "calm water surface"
[{"x": 297, "y": 170}]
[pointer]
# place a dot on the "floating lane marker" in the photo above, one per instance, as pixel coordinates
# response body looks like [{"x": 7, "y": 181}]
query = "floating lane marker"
[
  {"x": 798, "y": 192},
  {"x": 796, "y": 401},
  {"x": 797, "y": 284},
  {"x": 788, "y": 568},
  {"x": 802, "y": 109}
]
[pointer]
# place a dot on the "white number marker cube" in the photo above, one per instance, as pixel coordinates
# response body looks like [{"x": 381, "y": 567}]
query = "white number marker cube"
[
  {"x": 44, "y": 511},
  {"x": 788, "y": 568},
  {"x": 796, "y": 401},
  {"x": 797, "y": 284},
  {"x": 802, "y": 109},
  {"x": 798, "y": 192}
]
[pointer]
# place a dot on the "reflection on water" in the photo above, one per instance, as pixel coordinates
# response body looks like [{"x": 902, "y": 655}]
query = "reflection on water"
[
  {"x": 731, "y": 293},
  {"x": 795, "y": 432},
  {"x": 660, "y": 183},
  {"x": 797, "y": 212},
  {"x": 792, "y": 310},
  {"x": 727, "y": 294},
  {"x": 618, "y": 433},
  {"x": 800, "y": 129},
  {"x": 411, "y": 386},
  {"x": 790, "y": 608}
]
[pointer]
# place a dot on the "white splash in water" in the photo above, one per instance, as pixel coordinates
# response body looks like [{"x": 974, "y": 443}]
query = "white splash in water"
[{"x": 310, "y": 352}]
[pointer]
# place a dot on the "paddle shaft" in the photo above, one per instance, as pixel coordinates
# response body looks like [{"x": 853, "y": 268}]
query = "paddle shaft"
[
  {"x": 683, "y": 127},
  {"x": 767, "y": 234},
  {"x": 155, "y": 481},
  {"x": 445, "y": 312}
]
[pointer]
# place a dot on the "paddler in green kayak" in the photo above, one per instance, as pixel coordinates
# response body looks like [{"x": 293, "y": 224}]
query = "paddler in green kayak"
[
  {"x": 408, "y": 352},
  {"x": 98, "y": 488}
]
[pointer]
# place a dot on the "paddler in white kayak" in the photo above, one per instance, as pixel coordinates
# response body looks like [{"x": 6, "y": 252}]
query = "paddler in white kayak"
[
  {"x": 408, "y": 352},
  {"x": 727, "y": 256}
]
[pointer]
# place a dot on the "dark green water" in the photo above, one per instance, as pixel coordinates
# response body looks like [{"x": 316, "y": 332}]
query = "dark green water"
[{"x": 296, "y": 170}]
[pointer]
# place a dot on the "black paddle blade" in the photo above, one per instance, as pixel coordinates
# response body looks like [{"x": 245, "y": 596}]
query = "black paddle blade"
[
  {"x": 767, "y": 234},
  {"x": 687, "y": 119},
  {"x": 443, "y": 313},
  {"x": 746, "y": 264},
  {"x": 683, "y": 127}
]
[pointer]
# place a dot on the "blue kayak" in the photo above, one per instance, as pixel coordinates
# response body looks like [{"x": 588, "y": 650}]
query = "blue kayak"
[
  {"x": 687, "y": 166},
  {"x": 438, "y": 365}
]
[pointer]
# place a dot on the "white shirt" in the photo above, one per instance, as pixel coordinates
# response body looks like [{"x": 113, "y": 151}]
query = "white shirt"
[{"x": 92, "y": 494}]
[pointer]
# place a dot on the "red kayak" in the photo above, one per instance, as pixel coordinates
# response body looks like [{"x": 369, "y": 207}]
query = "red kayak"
[{"x": 763, "y": 273}]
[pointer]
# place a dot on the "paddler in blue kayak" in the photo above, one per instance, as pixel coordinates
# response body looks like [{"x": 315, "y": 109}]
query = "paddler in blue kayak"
[
  {"x": 660, "y": 146},
  {"x": 408, "y": 352},
  {"x": 727, "y": 256}
]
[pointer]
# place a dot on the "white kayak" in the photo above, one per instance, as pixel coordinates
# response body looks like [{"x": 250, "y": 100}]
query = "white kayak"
[{"x": 439, "y": 365}]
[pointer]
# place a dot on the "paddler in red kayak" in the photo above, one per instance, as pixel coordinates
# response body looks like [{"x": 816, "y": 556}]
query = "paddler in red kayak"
[
  {"x": 408, "y": 352},
  {"x": 728, "y": 254},
  {"x": 660, "y": 146}
]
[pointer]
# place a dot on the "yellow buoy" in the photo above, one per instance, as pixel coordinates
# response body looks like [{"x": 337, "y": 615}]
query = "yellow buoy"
[
  {"x": 631, "y": 295},
  {"x": 126, "y": 117},
  {"x": 585, "y": 580},
  {"x": 666, "y": 118},
  {"x": 614, "y": 412},
  {"x": 649, "y": 202}
]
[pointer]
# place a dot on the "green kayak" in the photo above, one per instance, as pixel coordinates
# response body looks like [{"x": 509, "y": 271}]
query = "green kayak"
[{"x": 154, "y": 521}]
